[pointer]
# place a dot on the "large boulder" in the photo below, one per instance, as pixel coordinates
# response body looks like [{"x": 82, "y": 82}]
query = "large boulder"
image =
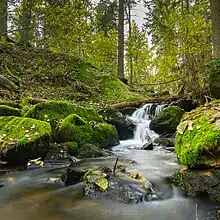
[
  {"x": 199, "y": 182},
  {"x": 198, "y": 137},
  {"x": 54, "y": 112},
  {"x": 167, "y": 120},
  {"x": 22, "y": 139},
  {"x": 78, "y": 129},
  {"x": 123, "y": 125}
]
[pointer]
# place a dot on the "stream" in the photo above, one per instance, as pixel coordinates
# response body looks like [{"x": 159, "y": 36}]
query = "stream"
[{"x": 34, "y": 194}]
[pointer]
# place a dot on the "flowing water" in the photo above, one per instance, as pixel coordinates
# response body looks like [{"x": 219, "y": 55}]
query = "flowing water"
[{"x": 33, "y": 194}]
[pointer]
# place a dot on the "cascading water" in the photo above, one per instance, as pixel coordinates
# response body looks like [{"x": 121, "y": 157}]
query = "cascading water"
[{"x": 142, "y": 134}]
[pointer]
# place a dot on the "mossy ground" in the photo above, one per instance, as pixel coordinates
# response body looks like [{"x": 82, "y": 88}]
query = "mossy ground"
[
  {"x": 200, "y": 142},
  {"x": 43, "y": 74}
]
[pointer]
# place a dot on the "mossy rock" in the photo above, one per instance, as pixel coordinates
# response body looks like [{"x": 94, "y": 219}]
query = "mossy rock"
[
  {"x": 198, "y": 137},
  {"x": 9, "y": 111},
  {"x": 86, "y": 150},
  {"x": 167, "y": 120},
  {"x": 54, "y": 112},
  {"x": 78, "y": 129},
  {"x": 22, "y": 139}
]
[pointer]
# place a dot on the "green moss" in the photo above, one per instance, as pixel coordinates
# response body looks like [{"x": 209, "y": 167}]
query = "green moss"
[
  {"x": 199, "y": 144},
  {"x": 23, "y": 138},
  {"x": 53, "y": 112},
  {"x": 9, "y": 103},
  {"x": 104, "y": 135},
  {"x": 167, "y": 120},
  {"x": 74, "y": 128},
  {"x": 114, "y": 89},
  {"x": 9, "y": 111},
  {"x": 77, "y": 129},
  {"x": 190, "y": 146},
  {"x": 177, "y": 179}
]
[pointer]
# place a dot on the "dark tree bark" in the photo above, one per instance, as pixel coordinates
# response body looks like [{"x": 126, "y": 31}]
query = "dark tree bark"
[
  {"x": 3, "y": 17},
  {"x": 215, "y": 15},
  {"x": 26, "y": 21},
  {"x": 121, "y": 40}
]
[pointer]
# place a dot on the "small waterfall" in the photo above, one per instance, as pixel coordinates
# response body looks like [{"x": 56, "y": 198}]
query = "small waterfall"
[
  {"x": 142, "y": 118},
  {"x": 142, "y": 134}
]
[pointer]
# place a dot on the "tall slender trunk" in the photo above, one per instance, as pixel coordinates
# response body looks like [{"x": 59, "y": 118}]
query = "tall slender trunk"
[
  {"x": 130, "y": 56},
  {"x": 121, "y": 40},
  {"x": 215, "y": 15},
  {"x": 3, "y": 17},
  {"x": 26, "y": 21}
]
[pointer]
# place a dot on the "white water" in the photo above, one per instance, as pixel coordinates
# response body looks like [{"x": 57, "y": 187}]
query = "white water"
[{"x": 142, "y": 134}]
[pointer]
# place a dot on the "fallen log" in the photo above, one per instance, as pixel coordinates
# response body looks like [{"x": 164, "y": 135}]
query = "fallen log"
[
  {"x": 8, "y": 84},
  {"x": 138, "y": 104}
]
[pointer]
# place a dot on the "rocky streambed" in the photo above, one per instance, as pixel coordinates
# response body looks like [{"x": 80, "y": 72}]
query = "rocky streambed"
[{"x": 138, "y": 186}]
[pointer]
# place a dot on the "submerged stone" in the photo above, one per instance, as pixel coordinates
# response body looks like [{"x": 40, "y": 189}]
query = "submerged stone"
[{"x": 22, "y": 139}]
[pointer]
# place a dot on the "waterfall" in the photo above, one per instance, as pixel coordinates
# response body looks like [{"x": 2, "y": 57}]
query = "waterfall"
[
  {"x": 142, "y": 134},
  {"x": 142, "y": 118}
]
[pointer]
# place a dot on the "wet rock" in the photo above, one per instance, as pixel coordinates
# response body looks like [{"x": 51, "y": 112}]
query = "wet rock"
[
  {"x": 128, "y": 110},
  {"x": 123, "y": 125},
  {"x": 72, "y": 176},
  {"x": 165, "y": 142},
  {"x": 103, "y": 184},
  {"x": 167, "y": 120},
  {"x": 148, "y": 146},
  {"x": 185, "y": 104},
  {"x": 199, "y": 182}
]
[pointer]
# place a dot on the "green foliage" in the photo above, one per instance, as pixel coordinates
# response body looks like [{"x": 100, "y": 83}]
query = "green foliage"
[{"x": 9, "y": 111}]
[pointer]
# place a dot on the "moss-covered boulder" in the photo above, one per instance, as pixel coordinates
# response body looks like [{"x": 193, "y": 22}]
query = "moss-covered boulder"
[
  {"x": 78, "y": 129},
  {"x": 123, "y": 125},
  {"x": 54, "y": 112},
  {"x": 9, "y": 111},
  {"x": 198, "y": 137},
  {"x": 167, "y": 120},
  {"x": 22, "y": 139}
]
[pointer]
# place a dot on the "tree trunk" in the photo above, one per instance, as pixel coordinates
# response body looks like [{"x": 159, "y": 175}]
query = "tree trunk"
[
  {"x": 3, "y": 17},
  {"x": 215, "y": 15},
  {"x": 26, "y": 21},
  {"x": 130, "y": 58},
  {"x": 121, "y": 40}
]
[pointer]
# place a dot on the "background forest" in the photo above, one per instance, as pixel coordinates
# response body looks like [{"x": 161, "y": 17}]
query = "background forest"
[{"x": 172, "y": 49}]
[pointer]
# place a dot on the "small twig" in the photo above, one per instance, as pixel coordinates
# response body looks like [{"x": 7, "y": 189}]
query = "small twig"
[
  {"x": 115, "y": 166},
  {"x": 19, "y": 29},
  {"x": 197, "y": 212}
]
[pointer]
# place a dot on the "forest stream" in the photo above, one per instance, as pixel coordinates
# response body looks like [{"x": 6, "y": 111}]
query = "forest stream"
[{"x": 33, "y": 194}]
